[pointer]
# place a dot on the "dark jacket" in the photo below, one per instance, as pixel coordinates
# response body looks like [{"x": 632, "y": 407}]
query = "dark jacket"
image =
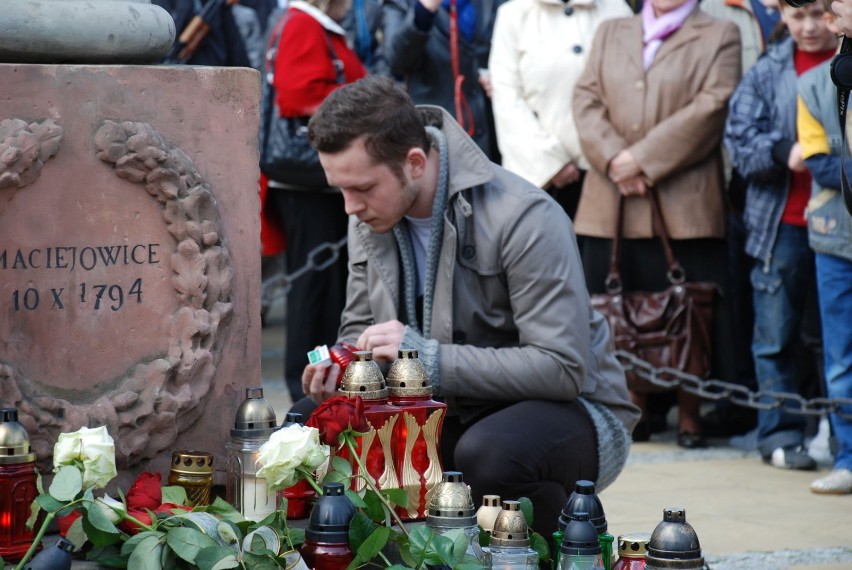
[
  {"x": 421, "y": 59},
  {"x": 223, "y": 44}
]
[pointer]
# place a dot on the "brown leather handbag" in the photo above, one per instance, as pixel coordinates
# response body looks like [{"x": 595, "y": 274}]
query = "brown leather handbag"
[{"x": 669, "y": 328}]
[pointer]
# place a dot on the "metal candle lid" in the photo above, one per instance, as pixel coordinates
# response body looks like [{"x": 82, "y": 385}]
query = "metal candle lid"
[
  {"x": 674, "y": 543},
  {"x": 14, "y": 439},
  {"x": 363, "y": 377},
  {"x": 407, "y": 375},
  {"x": 255, "y": 416},
  {"x": 633, "y": 545},
  {"x": 510, "y": 528},
  {"x": 580, "y": 537},
  {"x": 192, "y": 462},
  {"x": 451, "y": 504}
]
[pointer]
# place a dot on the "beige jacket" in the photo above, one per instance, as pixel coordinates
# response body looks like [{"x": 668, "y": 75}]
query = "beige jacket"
[
  {"x": 671, "y": 118},
  {"x": 537, "y": 54}
]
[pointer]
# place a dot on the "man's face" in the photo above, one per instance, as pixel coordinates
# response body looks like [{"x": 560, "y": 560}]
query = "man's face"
[
  {"x": 371, "y": 191},
  {"x": 808, "y": 27}
]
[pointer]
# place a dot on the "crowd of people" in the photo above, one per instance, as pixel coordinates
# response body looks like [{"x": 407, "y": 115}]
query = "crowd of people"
[{"x": 722, "y": 110}]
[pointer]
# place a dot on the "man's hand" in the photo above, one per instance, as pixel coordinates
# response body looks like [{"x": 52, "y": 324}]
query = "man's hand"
[
  {"x": 843, "y": 15},
  {"x": 566, "y": 175},
  {"x": 431, "y": 5},
  {"x": 623, "y": 167},
  {"x": 384, "y": 339},
  {"x": 795, "y": 162},
  {"x": 319, "y": 382}
]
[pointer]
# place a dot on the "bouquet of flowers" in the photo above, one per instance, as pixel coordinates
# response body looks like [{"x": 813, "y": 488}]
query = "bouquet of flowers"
[{"x": 152, "y": 527}]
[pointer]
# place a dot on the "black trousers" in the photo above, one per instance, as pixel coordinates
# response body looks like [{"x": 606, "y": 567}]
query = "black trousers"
[
  {"x": 536, "y": 449},
  {"x": 316, "y": 299}
]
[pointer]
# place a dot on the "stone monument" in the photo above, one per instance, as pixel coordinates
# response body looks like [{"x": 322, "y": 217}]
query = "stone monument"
[{"x": 129, "y": 240}]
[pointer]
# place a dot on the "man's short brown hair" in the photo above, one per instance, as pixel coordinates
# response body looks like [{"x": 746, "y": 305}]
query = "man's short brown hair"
[{"x": 377, "y": 111}]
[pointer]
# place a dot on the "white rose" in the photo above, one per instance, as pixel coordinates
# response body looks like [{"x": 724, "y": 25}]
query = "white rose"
[
  {"x": 92, "y": 451},
  {"x": 287, "y": 450},
  {"x": 108, "y": 507}
]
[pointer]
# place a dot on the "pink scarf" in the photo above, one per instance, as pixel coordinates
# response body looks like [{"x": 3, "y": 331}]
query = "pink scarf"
[{"x": 657, "y": 28}]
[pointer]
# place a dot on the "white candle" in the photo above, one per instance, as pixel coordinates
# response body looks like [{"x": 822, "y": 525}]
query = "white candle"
[{"x": 258, "y": 503}]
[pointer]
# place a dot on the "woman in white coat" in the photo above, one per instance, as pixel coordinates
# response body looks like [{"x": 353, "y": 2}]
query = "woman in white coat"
[{"x": 538, "y": 50}]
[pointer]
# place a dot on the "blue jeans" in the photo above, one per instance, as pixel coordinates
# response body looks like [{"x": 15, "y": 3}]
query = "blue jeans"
[
  {"x": 834, "y": 279},
  {"x": 780, "y": 288}
]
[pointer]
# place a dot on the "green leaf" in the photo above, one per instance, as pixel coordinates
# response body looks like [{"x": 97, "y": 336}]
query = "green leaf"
[
  {"x": 527, "y": 509},
  {"x": 260, "y": 561},
  {"x": 297, "y": 535},
  {"x": 375, "y": 509},
  {"x": 540, "y": 545},
  {"x": 396, "y": 496},
  {"x": 420, "y": 539},
  {"x": 169, "y": 560},
  {"x": 224, "y": 510},
  {"x": 374, "y": 543},
  {"x": 470, "y": 563},
  {"x": 175, "y": 494},
  {"x": 205, "y": 522},
  {"x": 360, "y": 528},
  {"x": 35, "y": 509},
  {"x": 229, "y": 532},
  {"x": 484, "y": 537},
  {"x": 77, "y": 536},
  {"x": 342, "y": 466},
  {"x": 147, "y": 554},
  {"x": 96, "y": 517},
  {"x": 131, "y": 543},
  {"x": 187, "y": 542},
  {"x": 67, "y": 484},
  {"x": 216, "y": 558},
  {"x": 107, "y": 556},
  {"x": 398, "y": 567},
  {"x": 460, "y": 542},
  {"x": 50, "y": 504},
  {"x": 96, "y": 536},
  {"x": 356, "y": 499},
  {"x": 442, "y": 546},
  {"x": 336, "y": 477}
]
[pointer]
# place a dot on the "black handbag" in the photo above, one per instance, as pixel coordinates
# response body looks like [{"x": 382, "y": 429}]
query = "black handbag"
[
  {"x": 669, "y": 328},
  {"x": 286, "y": 155}
]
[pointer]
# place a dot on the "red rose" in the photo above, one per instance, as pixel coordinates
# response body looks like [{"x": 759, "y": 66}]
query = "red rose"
[
  {"x": 145, "y": 493},
  {"x": 131, "y": 527},
  {"x": 167, "y": 508},
  {"x": 337, "y": 415}
]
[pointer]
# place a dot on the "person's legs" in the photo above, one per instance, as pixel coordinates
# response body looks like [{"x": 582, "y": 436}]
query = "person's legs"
[
  {"x": 834, "y": 277},
  {"x": 780, "y": 287},
  {"x": 533, "y": 449},
  {"x": 317, "y": 298}
]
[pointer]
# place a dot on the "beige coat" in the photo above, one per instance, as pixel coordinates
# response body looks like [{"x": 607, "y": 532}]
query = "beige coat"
[
  {"x": 537, "y": 54},
  {"x": 671, "y": 119}
]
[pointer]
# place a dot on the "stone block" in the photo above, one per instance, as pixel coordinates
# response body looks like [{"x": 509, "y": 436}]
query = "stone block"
[{"x": 129, "y": 255}]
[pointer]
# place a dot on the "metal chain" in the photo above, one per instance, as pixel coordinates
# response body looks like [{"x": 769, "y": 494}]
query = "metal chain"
[
  {"x": 281, "y": 283},
  {"x": 671, "y": 378},
  {"x": 666, "y": 378}
]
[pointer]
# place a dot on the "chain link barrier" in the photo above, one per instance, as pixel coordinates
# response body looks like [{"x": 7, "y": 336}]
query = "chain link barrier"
[
  {"x": 324, "y": 255},
  {"x": 320, "y": 258},
  {"x": 711, "y": 389}
]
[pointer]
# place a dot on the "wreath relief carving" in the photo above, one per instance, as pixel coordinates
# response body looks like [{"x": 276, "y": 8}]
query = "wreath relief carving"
[{"x": 158, "y": 399}]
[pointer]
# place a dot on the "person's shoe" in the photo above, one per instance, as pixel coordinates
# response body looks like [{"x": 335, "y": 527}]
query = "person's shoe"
[
  {"x": 838, "y": 482},
  {"x": 728, "y": 422},
  {"x": 792, "y": 457},
  {"x": 691, "y": 440}
]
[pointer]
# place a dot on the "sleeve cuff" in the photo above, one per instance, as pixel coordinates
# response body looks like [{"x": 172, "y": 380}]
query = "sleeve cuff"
[
  {"x": 429, "y": 352},
  {"x": 423, "y": 18},
  {"x": 781, "y": 151}
]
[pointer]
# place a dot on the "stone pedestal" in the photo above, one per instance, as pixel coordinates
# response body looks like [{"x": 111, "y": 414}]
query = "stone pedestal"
[{"x": 129, "y": 255}]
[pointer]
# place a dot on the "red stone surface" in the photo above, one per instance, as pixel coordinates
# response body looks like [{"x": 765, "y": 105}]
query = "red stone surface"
[{"x": 163, "y": 364}]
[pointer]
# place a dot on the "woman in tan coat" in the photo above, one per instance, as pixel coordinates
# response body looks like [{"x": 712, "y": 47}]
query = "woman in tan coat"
[{"x": 650, "y": 108}]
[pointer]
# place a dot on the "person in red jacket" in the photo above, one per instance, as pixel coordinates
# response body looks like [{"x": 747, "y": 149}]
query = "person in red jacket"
[{"x": 313, "y": 59}]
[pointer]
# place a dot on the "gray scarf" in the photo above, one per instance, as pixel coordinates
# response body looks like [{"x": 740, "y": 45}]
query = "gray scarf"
[{"x": 403, "y": 239}]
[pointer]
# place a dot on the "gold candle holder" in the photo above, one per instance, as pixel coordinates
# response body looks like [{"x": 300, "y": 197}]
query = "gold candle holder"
[{"x": 193, "y": 470}]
